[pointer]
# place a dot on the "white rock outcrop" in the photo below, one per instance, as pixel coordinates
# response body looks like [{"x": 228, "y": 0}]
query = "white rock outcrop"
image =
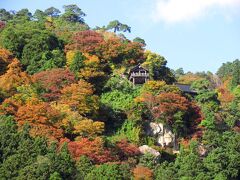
[
  {"x": 165, "y": 137},
  {"x": 202, "y": 151},
  {"x": 146, "y": 149}
]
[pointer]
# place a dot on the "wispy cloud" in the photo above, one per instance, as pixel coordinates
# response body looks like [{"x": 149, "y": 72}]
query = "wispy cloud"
[{"x": 175, "y": 11}]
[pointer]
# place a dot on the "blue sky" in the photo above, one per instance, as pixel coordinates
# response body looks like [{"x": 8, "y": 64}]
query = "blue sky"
[{"x": 198, "y": 35}]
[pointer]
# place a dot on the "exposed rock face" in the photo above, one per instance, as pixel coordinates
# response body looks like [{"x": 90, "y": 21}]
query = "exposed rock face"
[
  {"x": 165, "y": 136},
  {"x": 146, "y": 149},
  {"x": 202, "y": 151}
]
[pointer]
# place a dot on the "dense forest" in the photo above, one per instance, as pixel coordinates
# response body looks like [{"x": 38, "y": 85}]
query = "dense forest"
[{"x": 69, "y": 111}]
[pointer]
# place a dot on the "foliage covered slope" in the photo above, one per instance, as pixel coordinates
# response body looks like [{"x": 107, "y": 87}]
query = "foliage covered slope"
[{"x": 68, "y": 111}]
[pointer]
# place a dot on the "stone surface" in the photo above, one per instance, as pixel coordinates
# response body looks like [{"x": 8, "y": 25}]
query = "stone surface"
[
  {"x": 146, "y": 149},
  {"x": 165, "y": 137},
  {"x": 202, "y": 151}
]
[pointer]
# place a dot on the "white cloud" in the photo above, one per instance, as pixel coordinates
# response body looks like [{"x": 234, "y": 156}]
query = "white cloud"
[{"x": 174, "y": 11}]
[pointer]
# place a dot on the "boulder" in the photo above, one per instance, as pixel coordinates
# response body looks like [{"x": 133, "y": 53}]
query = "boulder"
[
  {"x": 146, "y": 149},
  {"x": 202, "y": 151},
  {"x": 155, "y": 128},
  {"x": 165, "y": 137}
]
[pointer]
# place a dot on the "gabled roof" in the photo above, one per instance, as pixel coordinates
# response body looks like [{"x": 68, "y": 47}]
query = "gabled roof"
[
  {"x": 185, "y": 88},
  {"x": 138, "y": 67}
]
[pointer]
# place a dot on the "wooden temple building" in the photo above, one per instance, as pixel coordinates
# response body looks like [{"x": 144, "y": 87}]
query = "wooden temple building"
[{"x": 138, "y": 75}]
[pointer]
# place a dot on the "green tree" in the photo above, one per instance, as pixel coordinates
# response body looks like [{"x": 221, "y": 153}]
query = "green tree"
[
  {"x": 165, "y": 171},
  {"x": 52, "y": 12},
  {"x": 139, "y": 40},
  {"x": 23, "y": 14},
  {"x": 235, "y": 74},
  {"x": 110, "y": 171},
  {"x": 156, "y": 64},
  {"x": 8, "y": 137},
  {"x": 61, "y": 162},
  {"x": 201, "y": 85},
  {"x": 25, "y": 157},
  {"x": 55, "y": 176},
  {"x": 116, "y": 82},
  {"x": 178, "y": 72},
  {"x": 148, "y": 160},
  {"x": 77, "y": 62},
  {"x": 53, "y": 59},
  {"x": 118, "y": 100},
  {"x": 26, "y": 151},
  {"x": 231, "y": 113},
  {"x": 208, "y": 100},
  {"x": 39, "y": 15},
  {"x": 188, "y": 162},
  {"x": 84, "y": 166},
  {"x": 73, "y": 13},
  {"x": 227, "y": 69},
  {"x": 224, "y": 152},
  {"x": 15, "y": 36},
  {"x": 5, "y": 15},
  {"x": 117, "y": 26},
  {"x": 39, "y": 53}
]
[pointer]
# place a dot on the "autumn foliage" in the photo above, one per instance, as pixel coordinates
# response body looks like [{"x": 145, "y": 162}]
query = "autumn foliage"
[
  {"x": 174, "y": 110},
  {"x": 85, "y": 41},
  {"x": 113, "y": 50},
  {"x": 88, "y": 127},
  {"x": 225, "y": 96},
  {"x": 69, "y": 109},
  {"x": 2, "y": 25},
  {"x": 79, "y": 97},
  {"x": 116, "y": 52},
  {"x": 5, "y": 58},
  {"x": 10, "y": 106},
  {"x": 165, "y": 104},
  {"x": 94, "y": 149},
  {"x": 13, "y": 77},
  {"x": 43, "y": 119},
  {"x": 52, "y": 81},
  {"x": 93, "y": 69},
  {"x": 127, "y": 149},
  {"x": 141, "y": 172}
]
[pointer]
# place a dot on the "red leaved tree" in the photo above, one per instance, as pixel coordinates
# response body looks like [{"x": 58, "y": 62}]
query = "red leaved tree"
[
  {"x": 2, "y": 24},
  {"x": 126, "y": 149},
  {"x": 94, "y": 149},
  {"x": 175, "y": 110},
  {"x": 85, "y": 41},
  {"x": 52, "y": 81}
]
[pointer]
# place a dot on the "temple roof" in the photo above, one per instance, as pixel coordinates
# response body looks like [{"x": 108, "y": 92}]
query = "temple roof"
[
  {"x": 185, "y": 88},
  {"x": 137, "y": 68}
]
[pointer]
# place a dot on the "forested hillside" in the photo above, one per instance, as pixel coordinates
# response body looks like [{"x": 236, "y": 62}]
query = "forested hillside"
[{"x": 69, "y": 111}]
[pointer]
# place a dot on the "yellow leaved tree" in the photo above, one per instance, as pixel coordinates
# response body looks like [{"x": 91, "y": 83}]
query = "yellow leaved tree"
[{"x": 14, "y": 77}]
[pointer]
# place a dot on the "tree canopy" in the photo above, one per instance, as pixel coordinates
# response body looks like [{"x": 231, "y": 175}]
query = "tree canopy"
[{"x": 69, "y": 110}]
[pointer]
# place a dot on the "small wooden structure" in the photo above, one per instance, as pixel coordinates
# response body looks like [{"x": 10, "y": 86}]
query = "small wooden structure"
[{"x": 138, "y": 75}]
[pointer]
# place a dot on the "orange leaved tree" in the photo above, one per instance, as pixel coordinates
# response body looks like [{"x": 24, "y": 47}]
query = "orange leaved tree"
[
  {"x": 94, "y": 149},
  {"x": 79, "y": 97},
  {"x": 13, "y": 78},
  {"x": 43, "y": 119}
]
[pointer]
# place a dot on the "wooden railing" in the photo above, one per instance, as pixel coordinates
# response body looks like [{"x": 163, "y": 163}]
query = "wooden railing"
[{"x": 140, "y": 74}]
